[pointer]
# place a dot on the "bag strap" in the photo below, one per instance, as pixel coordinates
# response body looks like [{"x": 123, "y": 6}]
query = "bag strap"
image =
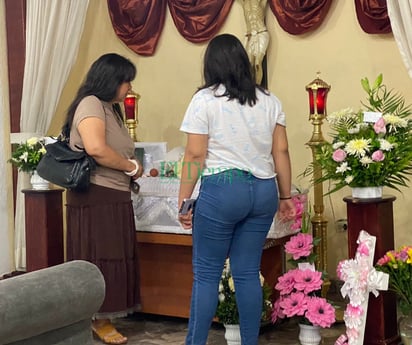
[
  {"x": 61, "y": 137},
  {"x": 66, "y": 140}
]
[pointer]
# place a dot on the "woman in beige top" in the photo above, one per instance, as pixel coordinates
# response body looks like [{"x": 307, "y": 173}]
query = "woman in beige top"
[{"x": 100, "y": 221}]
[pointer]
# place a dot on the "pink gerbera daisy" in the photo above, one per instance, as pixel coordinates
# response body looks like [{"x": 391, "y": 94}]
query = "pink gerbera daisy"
[
  {"x": 286, "y": 282},
  {"x": 307, "y": 280},
  {"x": 277, "y": 312},
  {"x": 320, "y": 312},
  {"x": 294, "y": 304},
  {"x": 299, "y": 245}
]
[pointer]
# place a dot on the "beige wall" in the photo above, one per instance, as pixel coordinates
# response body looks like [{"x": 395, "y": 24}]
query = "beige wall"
[{"x": 339, "y": 49}]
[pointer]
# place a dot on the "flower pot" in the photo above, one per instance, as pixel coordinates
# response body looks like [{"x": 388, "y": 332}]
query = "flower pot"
[
  {"x": 232, "y": 334},
  {"x": 405, "y": 329},
  {"x": 367, "y": 192},
  {"x": 309, "y": 335},
  {"x": 38, "y": 182}
]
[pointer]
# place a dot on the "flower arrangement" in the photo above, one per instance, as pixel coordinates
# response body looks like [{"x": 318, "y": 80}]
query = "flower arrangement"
[
  {"x": 282, "y": 228},
  {"x": 227, "y": 312},
  {"x": 300, "y": 287},
  {"x": 301, "y": 220},
  {"x": 371, "y": 147},
  {"x": 398, "y": 264},
  {"x": 27, "y": 155}
]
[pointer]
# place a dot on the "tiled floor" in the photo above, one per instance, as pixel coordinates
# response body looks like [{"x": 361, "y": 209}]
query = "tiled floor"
[{"x": 144, "y": 329}]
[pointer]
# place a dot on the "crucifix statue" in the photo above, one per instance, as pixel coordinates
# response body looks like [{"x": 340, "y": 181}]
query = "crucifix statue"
[{"x": 257, "y": 36}]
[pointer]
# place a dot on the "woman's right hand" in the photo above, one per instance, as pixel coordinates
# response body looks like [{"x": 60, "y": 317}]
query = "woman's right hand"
[{"x": 186, "y": 220}]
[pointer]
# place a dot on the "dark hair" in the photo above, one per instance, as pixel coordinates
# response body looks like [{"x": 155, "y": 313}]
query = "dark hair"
[
  {"x": 226, "y": 62},
  {"x": 105, "y": 76}
]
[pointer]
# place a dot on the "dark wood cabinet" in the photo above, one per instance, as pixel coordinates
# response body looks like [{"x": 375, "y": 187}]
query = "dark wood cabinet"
[
  {"x": 44, "y": 228},
  {"x": 375, "y": 216}
]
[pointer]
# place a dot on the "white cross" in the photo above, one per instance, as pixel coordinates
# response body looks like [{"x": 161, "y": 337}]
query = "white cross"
[{"x": 360, "y": 278}]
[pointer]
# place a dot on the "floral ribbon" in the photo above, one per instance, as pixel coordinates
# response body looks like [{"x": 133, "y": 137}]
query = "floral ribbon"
[{"x": 360, "y": 278}]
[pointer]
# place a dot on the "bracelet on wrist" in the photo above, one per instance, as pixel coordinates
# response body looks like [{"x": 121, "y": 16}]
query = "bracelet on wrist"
[
  {"x": 285, "y": 198},
  {"x": 133, "y": 172}
]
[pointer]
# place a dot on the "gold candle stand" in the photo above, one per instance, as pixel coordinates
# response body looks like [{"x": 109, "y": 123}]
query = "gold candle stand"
[{"x": 318, "y": 90}]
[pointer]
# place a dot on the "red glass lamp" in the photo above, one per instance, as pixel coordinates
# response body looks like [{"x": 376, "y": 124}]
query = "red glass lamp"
[
  {"x": 318, "y": 92},
  {"x": 131, "y": 113}
]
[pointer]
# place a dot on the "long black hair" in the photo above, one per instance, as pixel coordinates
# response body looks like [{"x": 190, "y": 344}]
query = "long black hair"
[
  {"x": 105, "y": 76},
  {"x": 226, "y": 62}
]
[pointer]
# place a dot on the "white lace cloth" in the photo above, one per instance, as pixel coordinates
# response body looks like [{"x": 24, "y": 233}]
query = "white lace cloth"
[{"x": 155, "y": 208}]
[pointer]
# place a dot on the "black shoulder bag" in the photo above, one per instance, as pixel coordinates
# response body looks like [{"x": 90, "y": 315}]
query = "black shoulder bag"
[{"x": 65, "y": 167}]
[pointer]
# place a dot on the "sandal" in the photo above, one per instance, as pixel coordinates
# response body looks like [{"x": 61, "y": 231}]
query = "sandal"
[{"x": 108, "y": 334}]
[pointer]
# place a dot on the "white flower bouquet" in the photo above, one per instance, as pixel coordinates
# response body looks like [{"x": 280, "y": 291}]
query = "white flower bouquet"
[
  {"x": 27, "y": 155},
  {"x": 371, "y": 147}
]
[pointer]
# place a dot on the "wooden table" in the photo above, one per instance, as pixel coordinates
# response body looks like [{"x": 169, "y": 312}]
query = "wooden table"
[{"x": 165, "y": 262}]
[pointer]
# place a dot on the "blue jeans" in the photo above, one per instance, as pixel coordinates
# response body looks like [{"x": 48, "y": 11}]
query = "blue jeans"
[{"x": 232, "y": 216}]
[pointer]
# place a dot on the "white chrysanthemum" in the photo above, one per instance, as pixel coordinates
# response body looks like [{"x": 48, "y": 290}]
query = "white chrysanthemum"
[
  {"x": 348, "y": 179},
  {"x": 395, "y": 122},
  {"x": 220, "y": 287},
  {"x": 221, "y": 297},
  {"x": 340, "y": 115},
  {"x": 24, "y": 156},
  {"x": 358, "y": 147},
  {"x": 32, "y": 141},
  {"x": 231, "y": 284},
  {"x": 262, "y": 279},
  {"x": 366, "y": 160},
  {"x": 42, "y": 150},
  {"x": 352, "y": 321},
  {"x": 226, "y": 269},
  {"x": 385, "y": 145},
  {"x": 343, "y": 167},
  {"x": 337, "y": 145},
  {"x": 354, "y": 130},
  {"x": 227, "y": 265}
]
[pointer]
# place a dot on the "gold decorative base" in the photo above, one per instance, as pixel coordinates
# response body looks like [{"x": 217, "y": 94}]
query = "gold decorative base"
[
  {"x": 325, "y": 288},
  {"x": 339, "y": 313},
  {"x": 334, "y": 297},
  {"x": 131, "y": 127}
]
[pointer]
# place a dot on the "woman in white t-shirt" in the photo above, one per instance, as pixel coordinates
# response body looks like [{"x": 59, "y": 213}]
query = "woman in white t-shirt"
[{"x": 237, "y": 144}]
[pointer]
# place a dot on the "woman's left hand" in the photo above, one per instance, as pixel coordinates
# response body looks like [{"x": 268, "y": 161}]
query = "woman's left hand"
[
  {"x": 286, "y": 211},
  {"x": 139, "y": 172}
]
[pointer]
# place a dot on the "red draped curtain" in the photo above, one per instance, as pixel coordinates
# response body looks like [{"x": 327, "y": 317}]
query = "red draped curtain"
[
  {"x": 199, "y": 20},
  {"x": 139, "y": 23},
  {"x": 373, "y": 16},
  {"x": 300, "y": 16}
]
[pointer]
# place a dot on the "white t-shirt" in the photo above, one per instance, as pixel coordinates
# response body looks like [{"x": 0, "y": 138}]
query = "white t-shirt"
[{"x": 240, "y": 136}]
